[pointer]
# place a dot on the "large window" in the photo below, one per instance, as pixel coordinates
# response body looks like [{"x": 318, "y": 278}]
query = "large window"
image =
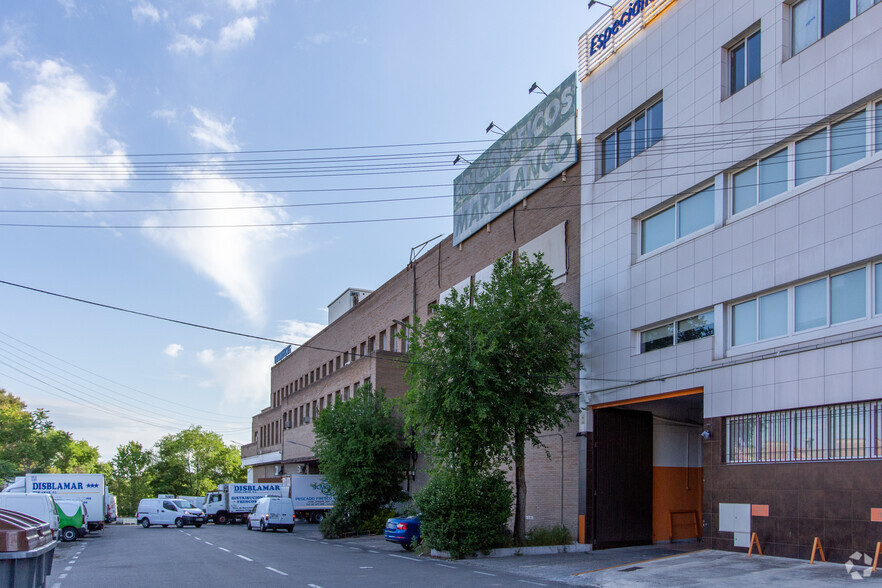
[
  {"x": 683, "y": 218},
  {"x": 744, "y": 62},
  {"x": 632, "y": 137},
  {"x": 677, "y": 332},
  {"x": 835, "y": 432},
  {"x": 820, "y": 303},
  {"x": 825, "y": 151},
  {"x": 813, "y": 19}
]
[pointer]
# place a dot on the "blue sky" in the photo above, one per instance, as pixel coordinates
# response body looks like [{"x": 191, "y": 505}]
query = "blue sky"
[{"x": 144, "y": 107}]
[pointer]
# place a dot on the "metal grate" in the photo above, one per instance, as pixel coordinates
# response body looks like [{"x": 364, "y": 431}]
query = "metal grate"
[{"x": 835, "y": 432}]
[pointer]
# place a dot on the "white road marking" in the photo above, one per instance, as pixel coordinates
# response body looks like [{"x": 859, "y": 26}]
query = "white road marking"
[
  {"x": 314, "y": 586},
  {"x": 372, "y": 551},
  {"x": 245, "y": 558},
  {"x": 356, "y": 548},
  {"x": 56, "y": 585},
  {"x": 403, "y": 557},
  {"x": 533, "y": 583},
  {"x": 189, "y": 535},
  {"x": 207, "y": 543},
  {"x": 323, "y": 542},
  {"x": 276, "y": 571},
  {"x": 365, "y": 567},
  {"x": 486, "y": 574},
  {"x": 446, "y": 566},
  {"x": 197, "y": 538},
  {"x": 338, "y": 545},
  {"x": 224, "y": 549},
  {"x": 62, "y": 576}
]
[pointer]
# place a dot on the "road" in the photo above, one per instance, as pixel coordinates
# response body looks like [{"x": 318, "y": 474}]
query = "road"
[{"x": 232, "y": 556}]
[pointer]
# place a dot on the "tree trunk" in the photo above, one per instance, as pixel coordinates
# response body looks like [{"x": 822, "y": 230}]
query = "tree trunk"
[{"x": 520, "y": 521}]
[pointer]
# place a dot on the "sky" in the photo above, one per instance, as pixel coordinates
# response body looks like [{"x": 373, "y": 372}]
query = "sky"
[{"x": 235, "y": 164}]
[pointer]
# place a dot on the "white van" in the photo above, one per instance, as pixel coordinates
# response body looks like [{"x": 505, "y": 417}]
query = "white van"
[
  {"x": 272, "y": 512},
  {"x": 41, "y": 506},
  {"x": 168, "y": 511}
]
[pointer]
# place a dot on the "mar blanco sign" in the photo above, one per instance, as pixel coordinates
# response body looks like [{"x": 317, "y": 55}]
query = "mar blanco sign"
[
  {"x": 624, "y": 20},
  {"x": 540, "y": 146}
]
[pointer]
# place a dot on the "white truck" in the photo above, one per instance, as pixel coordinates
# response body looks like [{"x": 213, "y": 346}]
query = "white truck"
[
  {"x": 310, "y": 503},
  {"x": 87, "y": 488},
  {"x": 231, "y": 502}
]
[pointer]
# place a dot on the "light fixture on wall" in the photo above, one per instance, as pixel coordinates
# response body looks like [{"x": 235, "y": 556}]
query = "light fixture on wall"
[
  {"x": 495, "y": 128},
  {"x": 593, "y": 2},
  {"x": 461, "y": 158},
  {"x": 706, "y": 434},
  {"x": 535, "y": 88}
]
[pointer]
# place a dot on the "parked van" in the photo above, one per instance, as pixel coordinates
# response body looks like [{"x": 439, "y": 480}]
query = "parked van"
[
  {"x": 71, "y": 519},
  {"x": 41, "y": 506},
  {"x": 271, "y": 512},
  {"x": 168, "y": 511}
]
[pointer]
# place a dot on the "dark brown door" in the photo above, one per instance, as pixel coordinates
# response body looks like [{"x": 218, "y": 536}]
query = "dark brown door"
[{"x": 622, "y": 478}]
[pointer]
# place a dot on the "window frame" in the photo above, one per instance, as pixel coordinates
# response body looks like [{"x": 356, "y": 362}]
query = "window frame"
[
  {"x": 676, "y": 332},
  {"x": 676, "y": 206},
  {"x": 742, "y": 41},
  {"x": 609, "y": 143},
  {"x": 853, "y": 12}
]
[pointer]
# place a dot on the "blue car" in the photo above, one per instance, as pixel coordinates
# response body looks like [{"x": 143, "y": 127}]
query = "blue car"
[{"x": 403, "y": 530}]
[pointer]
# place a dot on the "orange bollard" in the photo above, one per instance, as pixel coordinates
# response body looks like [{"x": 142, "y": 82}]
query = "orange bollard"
[{"x": 816, "y": 547}]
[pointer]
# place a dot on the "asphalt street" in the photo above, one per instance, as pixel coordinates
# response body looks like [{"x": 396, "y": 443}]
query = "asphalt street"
[{"x": 232, "y": 556}]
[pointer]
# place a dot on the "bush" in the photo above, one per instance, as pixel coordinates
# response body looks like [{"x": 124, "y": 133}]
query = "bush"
[
  {"x": 464, "y": 512},
  {"x": 336, "y": 524},
  {"x": 377, "y": 523},
  {"x": 556, "y": 535}
]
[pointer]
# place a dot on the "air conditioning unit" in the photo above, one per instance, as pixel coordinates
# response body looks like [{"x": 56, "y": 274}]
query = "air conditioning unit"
[
  {"x": 300, "y": 469},
  {"x": 280, "y": 469},
  {"x": 306, "y": 419}
]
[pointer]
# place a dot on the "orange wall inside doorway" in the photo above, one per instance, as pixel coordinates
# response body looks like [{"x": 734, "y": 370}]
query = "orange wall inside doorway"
[{"x": 675, "y": 489}]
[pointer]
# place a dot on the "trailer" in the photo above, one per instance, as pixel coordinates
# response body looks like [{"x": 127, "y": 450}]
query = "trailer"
[
  {"x": 86, "y": 488},
  {"x": 231, "y": 502},
  {"x": 311, "y": 503}
]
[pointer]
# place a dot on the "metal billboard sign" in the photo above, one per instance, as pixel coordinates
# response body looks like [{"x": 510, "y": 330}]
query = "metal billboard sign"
[
  {"x": 625, "y": 19},
  {"x": 540, "y": 146}
]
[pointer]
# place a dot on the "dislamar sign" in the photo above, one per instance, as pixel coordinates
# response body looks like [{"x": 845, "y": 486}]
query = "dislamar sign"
[{"x": 540, "y": 146}]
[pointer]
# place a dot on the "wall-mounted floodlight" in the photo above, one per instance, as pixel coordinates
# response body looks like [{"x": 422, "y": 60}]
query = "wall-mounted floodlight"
[
  {"x": 593, "y": 2},
  {"x": 535, "y": 88},
  {"x": 461, "y": 158},
  {"x": 495, "y": 128}
]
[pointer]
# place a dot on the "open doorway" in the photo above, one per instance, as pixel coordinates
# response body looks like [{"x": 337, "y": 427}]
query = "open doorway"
[{"x": 647, "y": 470}]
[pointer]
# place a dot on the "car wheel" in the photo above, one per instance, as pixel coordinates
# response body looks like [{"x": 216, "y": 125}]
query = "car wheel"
[
  {"x": 407, "y": 546},
  {"x": 262, "y": 527},
  {"x": 290, "y": 529},
  {"x": 165, "y": 526},
  {"x": 220, "y": 519},
  {"x": 145, "y": 522},
  {"x": 179, "y": 523},
  {"x": 69, "y": 534},
  {"x": 248, "y": 525},
  {"x": 197, "y": 525}
]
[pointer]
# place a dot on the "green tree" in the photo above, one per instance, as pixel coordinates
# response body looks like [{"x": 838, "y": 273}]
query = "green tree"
[
  {"x": 131, "y": 476},
  {"x": 193, "y": 462},
  {"x": 484, "y": 375},
  {"x": 78, "y": 457},
  {"x": 360, "y": 446}
]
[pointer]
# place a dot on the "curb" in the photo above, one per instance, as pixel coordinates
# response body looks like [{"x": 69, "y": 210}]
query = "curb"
[{"x": 518, "y": 551}]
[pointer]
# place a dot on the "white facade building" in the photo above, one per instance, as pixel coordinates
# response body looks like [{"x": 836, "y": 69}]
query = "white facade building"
[{"x": 732, "y": 263}]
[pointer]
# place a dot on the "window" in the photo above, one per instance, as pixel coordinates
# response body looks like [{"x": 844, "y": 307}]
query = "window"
[
  {"x": 834, "y": 432},
  {"x": 632, "y": 137},
  {"x": 382, "y": 346},
  {"x": 848, "y": 140},
  {"x": 819, "y": 303},
  {"x": 689, "y": 329},
  {"x": 371, "y": 344},
  {"x": 878, "y": 289},
  {"x": 811, "y": 157},
  {"x": 744, "y": 62},
  {"x": 879, "y": 126},
  {"x": 813, "y": 19},
  {"x": 684, "y": 218},
  {"x": 759, "y": 182}
]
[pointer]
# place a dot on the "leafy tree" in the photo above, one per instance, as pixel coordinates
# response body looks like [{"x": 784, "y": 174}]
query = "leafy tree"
[
  {"x": 194, "y": 462},
  {"x": 131, "y": 475},
  {"x": 359, "y": 444},
  {"x": 483, "y": 376},
  {"x": 78, "y": 457}
]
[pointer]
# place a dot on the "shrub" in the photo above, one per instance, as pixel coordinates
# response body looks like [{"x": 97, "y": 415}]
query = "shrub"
[
  {"x": 464, "y": 512},
  {"x": 377, "y": 523},
  {"x": 336, "y": 524},
  {"x": 556, "y": 535}
]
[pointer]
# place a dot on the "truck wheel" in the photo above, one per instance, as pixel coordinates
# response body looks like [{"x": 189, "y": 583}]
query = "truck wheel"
[
  {"x": 179, "y": 523},
  {"x": 198, "y": 525},
  {"x": 318, "y": 516},
  {"x": 220, "y": 519},
  {"x": 145, "y": 522},
  {"x": 69, "y": 534},
  {"x": 290, "y": 529}
]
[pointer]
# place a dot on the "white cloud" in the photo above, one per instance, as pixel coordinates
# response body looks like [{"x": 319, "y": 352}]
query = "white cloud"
[
  {"x": 168, "y": 114},
  {"x": 60, "y": 114},
  {"x": 197, "y": 21},
  {"x": 241, "y": 374},
  {"x": 237, "y": 33},
  {"x": 242, "y": 5},
  {"x": 188, "y": 44},
  {"x": 299, "y": 331},
  {"x": 173, "y": 350},
  {"x": 70, "y": 6},
  {"x": 319, "y": 38},
  {"x": 145, "y": 11},
  {"x": 206, "y": 356},
  {"x": 212, "y": 133}
]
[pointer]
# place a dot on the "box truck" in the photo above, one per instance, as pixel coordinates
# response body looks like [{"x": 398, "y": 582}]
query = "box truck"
[
  {"x": 87, "y": 488},
  {"x": 310, "y": 502},
  {"x": 231, "y": 502}
]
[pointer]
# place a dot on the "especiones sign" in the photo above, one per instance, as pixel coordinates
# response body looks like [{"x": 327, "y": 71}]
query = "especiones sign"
[
  {"x": 540, "y": 146},
  {"x": 624, "y": 20}
]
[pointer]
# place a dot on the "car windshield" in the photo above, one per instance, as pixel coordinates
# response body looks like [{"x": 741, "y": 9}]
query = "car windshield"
[{"x": 182, "y": 504}]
